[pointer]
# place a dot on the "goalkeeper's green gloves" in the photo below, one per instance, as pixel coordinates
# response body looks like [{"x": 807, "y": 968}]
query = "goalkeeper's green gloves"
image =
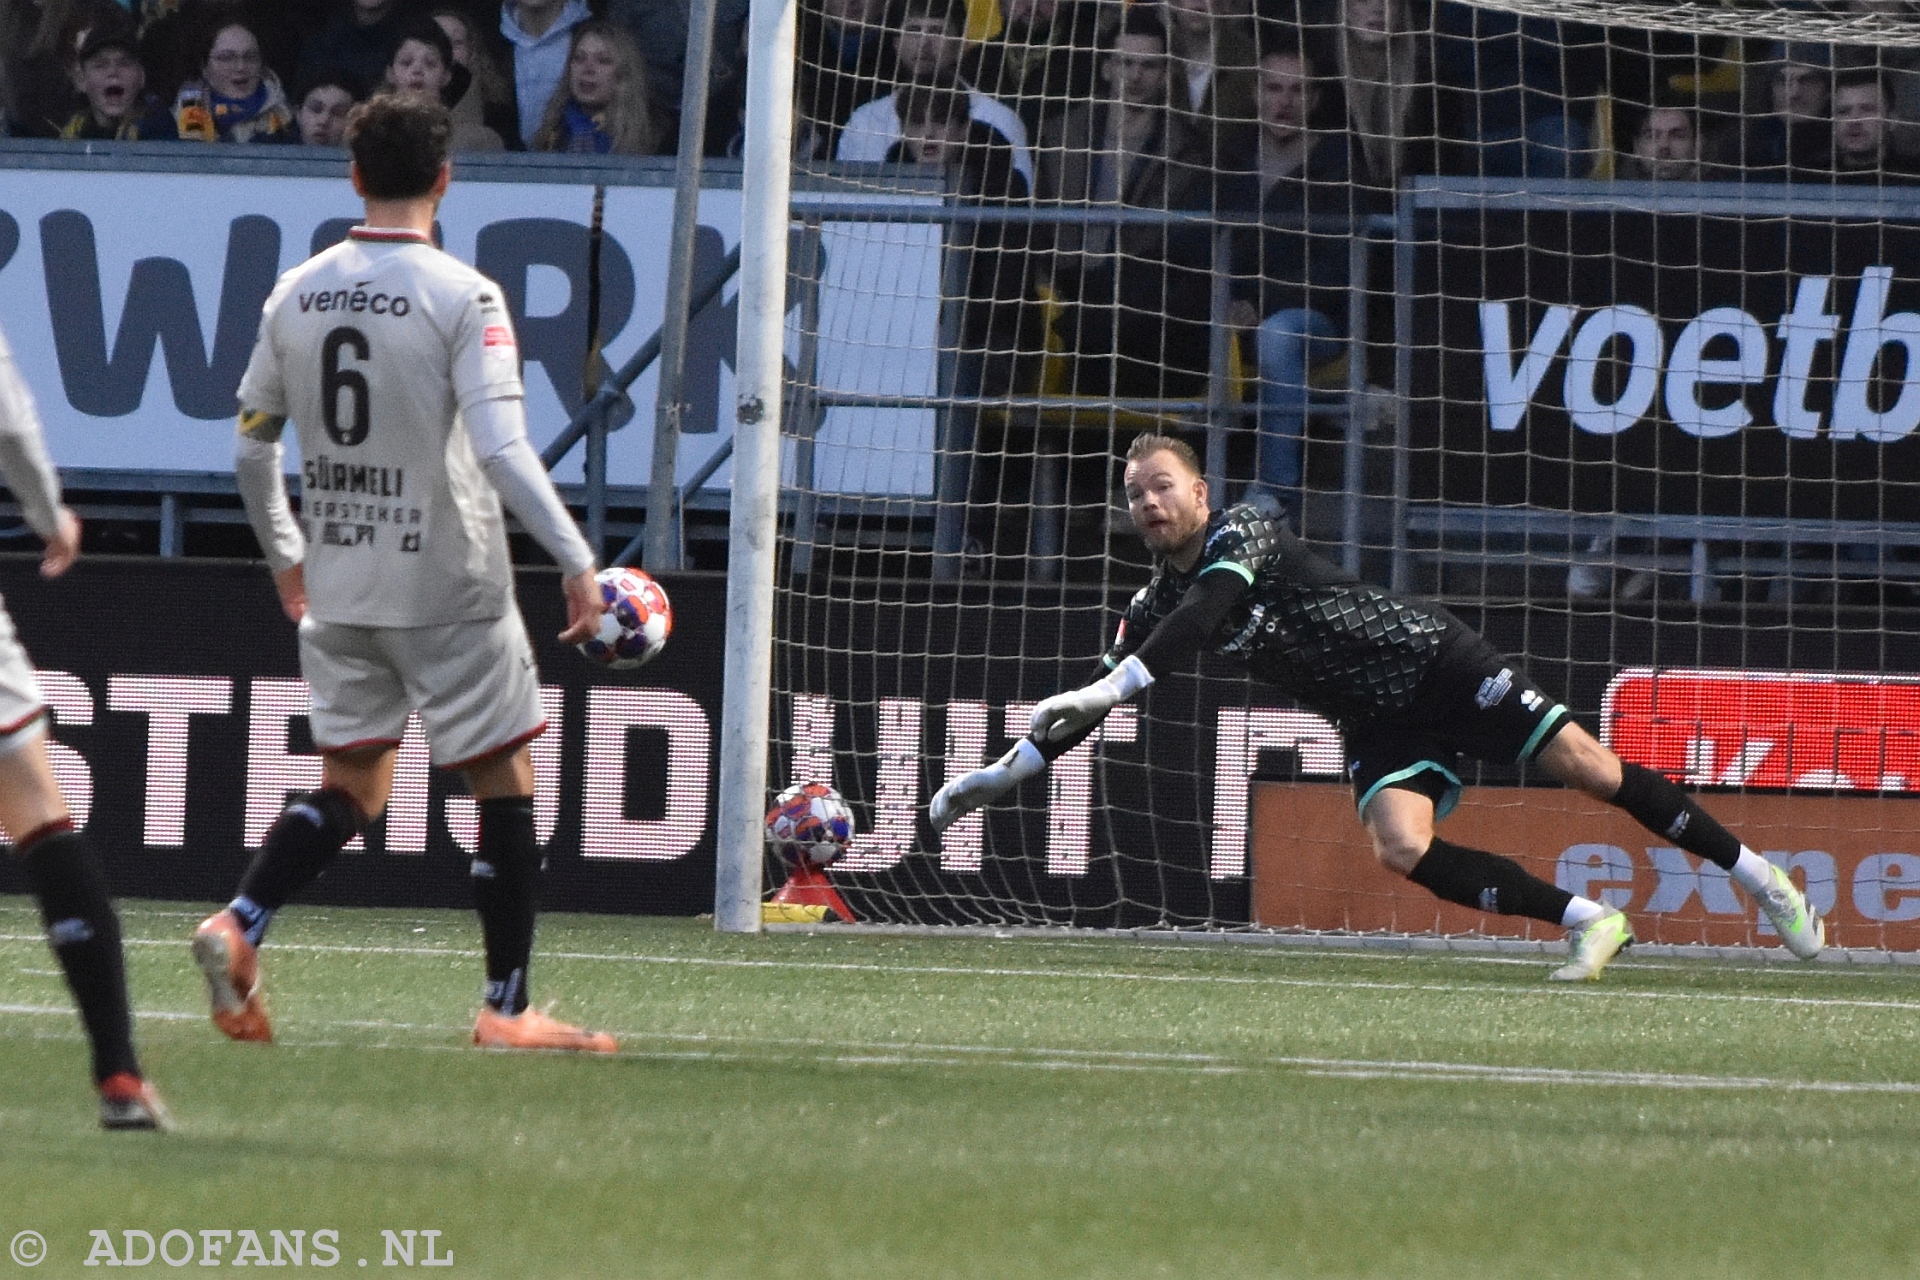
[
  {"x": 1065, "y": 714},
  {"x": 985, "y": 785}
]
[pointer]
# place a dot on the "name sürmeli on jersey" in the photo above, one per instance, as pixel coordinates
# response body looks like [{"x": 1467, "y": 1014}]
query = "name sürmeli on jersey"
[{"x": 322, "y": 474}]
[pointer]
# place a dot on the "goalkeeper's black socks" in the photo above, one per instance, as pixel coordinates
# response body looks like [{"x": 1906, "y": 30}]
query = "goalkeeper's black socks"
[
  {"x": 1488, "y": 882},
  {"x": 506, "y": 891},
  {"x": 84, "y": 933},
  {"x": 1667, "y": 811},
  {"x": 1664, "y": 809},
  {"x": 300, "y": 844}
]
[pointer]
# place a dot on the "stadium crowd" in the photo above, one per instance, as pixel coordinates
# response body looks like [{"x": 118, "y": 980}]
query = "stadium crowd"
[
  {"x": 538, "y": 75},
  {"x": 1293, "y": 119}
]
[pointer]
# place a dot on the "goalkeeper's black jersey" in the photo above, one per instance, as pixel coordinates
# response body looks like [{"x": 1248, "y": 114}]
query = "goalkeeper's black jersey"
[{"x": 1348, "y": 650}]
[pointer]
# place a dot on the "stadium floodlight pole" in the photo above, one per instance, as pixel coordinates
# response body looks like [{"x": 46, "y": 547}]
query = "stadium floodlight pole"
[
  {"x": 766, "y": 191},
  {"x": 663, "y": 548}
]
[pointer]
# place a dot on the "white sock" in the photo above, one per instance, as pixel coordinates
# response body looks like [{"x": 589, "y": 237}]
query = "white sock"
[
  {"x": 1579, "y": 911},
  {"x": 1751, "y": 871}
]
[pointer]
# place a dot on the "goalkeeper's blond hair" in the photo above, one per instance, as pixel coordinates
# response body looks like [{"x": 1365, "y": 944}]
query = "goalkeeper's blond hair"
[{"x": 1154, "y": 443}]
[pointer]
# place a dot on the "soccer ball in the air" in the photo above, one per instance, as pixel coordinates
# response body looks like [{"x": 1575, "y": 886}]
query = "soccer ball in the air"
[
  {"x": 809, "y": 822},
  {"x": 636, "y": 624}
]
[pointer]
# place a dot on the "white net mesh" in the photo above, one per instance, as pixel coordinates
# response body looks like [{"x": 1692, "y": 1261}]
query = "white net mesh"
[{"x": 1600, "y": 323}]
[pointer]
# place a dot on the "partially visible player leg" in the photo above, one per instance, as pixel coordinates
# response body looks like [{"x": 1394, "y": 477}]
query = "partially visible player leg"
[
  {"x": 358, "y": 714},
  {"x": 1578, "y": 759},
  {"x": 506, "y": 874},
  {"x": 506, "y": 893},
  {"x": 309, "y": 832},
  {"x": 81, "y": 925},
  {"x": 1400, "y": 822}
]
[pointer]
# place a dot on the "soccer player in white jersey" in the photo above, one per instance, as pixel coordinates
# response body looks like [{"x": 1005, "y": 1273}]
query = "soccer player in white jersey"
[
  {"x": 59, "y": 865},
  {"x": 397, "y": 365}
]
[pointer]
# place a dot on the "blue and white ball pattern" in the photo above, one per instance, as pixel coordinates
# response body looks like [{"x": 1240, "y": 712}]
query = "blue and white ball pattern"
[
  {"x": 638, "y": 620},
  {"x": 810, "y": 822}
]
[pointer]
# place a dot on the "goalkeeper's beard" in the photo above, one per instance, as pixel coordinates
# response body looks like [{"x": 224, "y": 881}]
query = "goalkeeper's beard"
[{"x": 1169, "y": 538}]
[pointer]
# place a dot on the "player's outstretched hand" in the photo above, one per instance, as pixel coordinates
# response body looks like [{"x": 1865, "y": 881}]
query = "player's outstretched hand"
[
  {"x": 965, "y": 794},
  {"x": 292, "y": 586},
  {"x": 1065, "y": 714},
  {"x": 63, "y": 548},
  {"x": 584, "y": 606},
  {"x": 984, "y": 785},
  {"x": 1058, "y": 718}
]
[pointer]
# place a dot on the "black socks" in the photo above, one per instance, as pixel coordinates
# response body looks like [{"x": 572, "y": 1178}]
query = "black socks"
[
  {"x": 1667, "y": 811},
  {"x": 303, "y": 840},
  {"x": 85, "y": 936},
  {"x": 506, "y": 890},
  {"x": 1487, "y": 882}
]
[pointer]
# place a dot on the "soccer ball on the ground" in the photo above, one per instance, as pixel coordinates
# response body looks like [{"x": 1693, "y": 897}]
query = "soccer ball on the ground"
[
  {"x": 636, "y": 624},
  {"x": 809, "y": 822}
]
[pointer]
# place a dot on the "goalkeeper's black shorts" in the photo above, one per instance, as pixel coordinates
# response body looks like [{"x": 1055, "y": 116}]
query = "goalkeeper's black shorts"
[{"x": 1473, "y": 702}]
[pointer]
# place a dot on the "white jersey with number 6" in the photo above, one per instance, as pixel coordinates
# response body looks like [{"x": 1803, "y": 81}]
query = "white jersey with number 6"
[{"x": 373, "y": 349}]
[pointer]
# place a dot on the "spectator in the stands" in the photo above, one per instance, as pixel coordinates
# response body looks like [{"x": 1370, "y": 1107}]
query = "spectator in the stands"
[
  {"x": 1793, "y": 140},
  {"x": 1666, "y": 147},
  {"x": 1042, "y": 61},
  {"x": 1214, "y": 68},
  {"x": 359, "y": 39},
  {"x": 1900, "y": 62},
  {"x": 43, "y": 42},
  {"x": 659, "y": 29},
  {"x": 601, "y": 105},
  {"x": 532, "y": 43},
  {"x": 846, "y": 60},
  {"x": 236, "y": 98},
  {"x": 1863, "y": 151},
  {"x": 937, "y": 128},
  {"x": 927, "y": 44},
  {"x": 488, "y": 98},
  {"x": 320, "y": 109},
  {"x": 1138, "y": 319},
  {"x": 114, "y": 85},
  {"x": 1290, "y": 278},
  {"x": 1385, "y": 65},
  {"x": 1514, "y": 90},
  {"x": 423, "y": 66}
]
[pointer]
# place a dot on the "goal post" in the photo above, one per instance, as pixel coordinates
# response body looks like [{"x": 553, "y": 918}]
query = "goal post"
[
  {"x": 1632, "y": 394},
  {"x": 766, "y": 187}
]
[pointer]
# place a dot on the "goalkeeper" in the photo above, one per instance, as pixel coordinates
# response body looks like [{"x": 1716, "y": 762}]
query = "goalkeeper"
[{"x": 1411, "y": 687}]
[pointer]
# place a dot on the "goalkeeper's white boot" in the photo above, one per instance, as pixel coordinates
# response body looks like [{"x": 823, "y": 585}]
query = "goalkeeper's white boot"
[
  {"x": 1800, "y": 926},
  {"x": 1592, "y": 945}
]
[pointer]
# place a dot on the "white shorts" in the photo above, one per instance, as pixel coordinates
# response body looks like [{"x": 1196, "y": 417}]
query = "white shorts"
[
  {"x": 22, "y": 703},
  {"x": 473, "y": 683}
]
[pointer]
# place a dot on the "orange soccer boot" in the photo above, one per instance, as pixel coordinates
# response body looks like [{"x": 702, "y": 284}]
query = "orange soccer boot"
[
  {"x": 532, "y": 1029},
  {"x": 232, "y": 970},
  {"x": 128, "y": 1102}
]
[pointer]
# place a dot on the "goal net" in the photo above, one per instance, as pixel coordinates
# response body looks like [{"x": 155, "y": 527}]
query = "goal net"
[{"x": 1598, "y": 322}]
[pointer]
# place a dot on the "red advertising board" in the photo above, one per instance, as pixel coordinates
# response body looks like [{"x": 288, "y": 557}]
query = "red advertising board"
[
  {"x": 1858, "y": 856},
  {"x": 1770, "y": 729}
]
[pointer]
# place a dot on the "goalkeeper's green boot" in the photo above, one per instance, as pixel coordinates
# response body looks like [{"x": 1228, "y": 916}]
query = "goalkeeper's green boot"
[
  {"x": 1591, "y": 945},
  {"x": 1800, "y": 926}
]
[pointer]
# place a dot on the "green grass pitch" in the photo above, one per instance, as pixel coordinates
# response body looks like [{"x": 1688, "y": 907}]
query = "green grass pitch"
[{"x": 813, "y": 1106}]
